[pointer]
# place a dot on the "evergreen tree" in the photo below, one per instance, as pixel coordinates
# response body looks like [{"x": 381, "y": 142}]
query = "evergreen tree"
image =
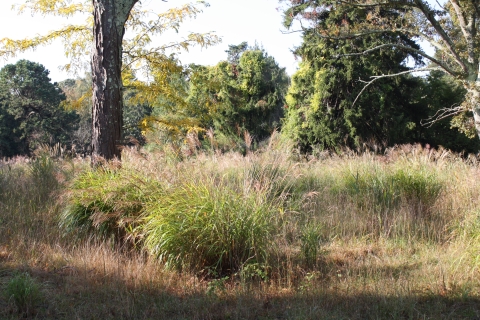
[
  {"x": 30, "y": 111},
  {"x": 323, "y": 109},
  {"x": 451, "y": 27},
  {"x": 239, "y": 97},
  {"x": 438, "y": 94}
]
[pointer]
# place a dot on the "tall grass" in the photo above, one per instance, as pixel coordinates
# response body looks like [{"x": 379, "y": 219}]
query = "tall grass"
[
  {"x": 261, "y": 235},
  {"x": 393, "y": 200},
  {"x": 210, "y": 222},
  {"x": 107, "y": 202},
  {"x": 205, "y": 225},
  {"x": 206, "y": 213}
]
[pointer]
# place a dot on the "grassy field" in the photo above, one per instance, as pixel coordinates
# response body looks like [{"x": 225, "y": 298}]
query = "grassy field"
[{"x": 269, "y": 235}]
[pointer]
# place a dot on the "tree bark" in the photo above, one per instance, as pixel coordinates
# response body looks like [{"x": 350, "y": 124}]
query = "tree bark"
[
  {"x": 108, "y": 31},
  {"x": 474, "y": 93}
]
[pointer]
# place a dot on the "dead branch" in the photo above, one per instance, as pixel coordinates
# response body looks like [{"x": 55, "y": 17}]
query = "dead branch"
[
  {"x": 375, "y": 78},
  {"x": 442, "y": 114}
]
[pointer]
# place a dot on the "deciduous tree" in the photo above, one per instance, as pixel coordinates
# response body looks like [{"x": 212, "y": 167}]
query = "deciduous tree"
[{"x": 111, "y": 52}]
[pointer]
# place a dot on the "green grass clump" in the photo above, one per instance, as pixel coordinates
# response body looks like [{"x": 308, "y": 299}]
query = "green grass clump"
[
  {"x": 387, "y": 186},
  {"x": 201, "y": 223},
  {"x": 208, "y": 226},
  {"x": 24, "y": 292},
  {"x": 107, "y": 202},
  {"x": 422, "y": 187}
]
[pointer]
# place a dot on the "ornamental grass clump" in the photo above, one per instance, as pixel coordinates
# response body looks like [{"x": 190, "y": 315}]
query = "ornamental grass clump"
[
  {"x": 208, "y": 226},
  {"x": 107, "y": 202}
]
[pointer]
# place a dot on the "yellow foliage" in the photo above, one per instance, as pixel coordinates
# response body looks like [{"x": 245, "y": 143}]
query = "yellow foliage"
[
  {"x": 173, "y": 125},
  {"x": 76, "y": 104},
  {"x": 141, "y": 56},
  {"x": 77, "y": 39},
  {"x": 56, "y": 7}
]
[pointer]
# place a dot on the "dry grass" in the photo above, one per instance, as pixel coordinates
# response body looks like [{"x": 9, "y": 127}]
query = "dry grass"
[{"x": 395, "y": 237}]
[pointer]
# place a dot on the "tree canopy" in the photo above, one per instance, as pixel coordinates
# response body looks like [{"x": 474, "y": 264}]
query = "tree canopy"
[
  {"x": 245, "y": 93},
  {"x": 30, "y": 110},
  {"x": 451, "y": 28},
  {"x": 325, "y": 108}
]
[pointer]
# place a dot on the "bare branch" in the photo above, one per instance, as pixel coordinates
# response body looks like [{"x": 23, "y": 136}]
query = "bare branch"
[
  {"x": 405, "y": 48},
  {"x": 440, "y": 5},
  {"x": 430, "y": 15},
  {"x": 442, "y": 114},
  {"x": 391, "y": 4},
  {"x": 461, "y": 18},
  {"x": 375, "y": 78},
  {"x": 292, "y": 31}
]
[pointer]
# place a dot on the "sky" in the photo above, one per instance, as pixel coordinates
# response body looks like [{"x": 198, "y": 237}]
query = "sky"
[{"x": 234, "y": 21}]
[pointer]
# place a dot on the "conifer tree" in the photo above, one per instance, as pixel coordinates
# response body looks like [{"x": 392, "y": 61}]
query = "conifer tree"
[
  {"x": 244, "y": 93},
  {"x": 451, "y": 27},
  {"x": 325, "y": 107}
]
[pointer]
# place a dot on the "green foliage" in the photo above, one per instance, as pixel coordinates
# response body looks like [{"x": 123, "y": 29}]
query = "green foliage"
[
  {"x": 24, "y": 291},
  {"x": 344, "y": 48},
  {"x": 43, "y": 170},
  {"x": 133, "y": 115},
  {"x": 216, "y": 285},
  {"x": 419, "y": 187},
  {"x": 30, "y": 111},
  {"x": 234, "y": 97},
  {"x": 78, "y": 94},
  {"x": 310, "y": 242},
  {"x": 208, "y": 225},
  {"x": 235, "y": 52},
  {"x": 216, "y": 225},
  {"x": 399, "y": 200},
  {"x": 323, "y": 109},
  {"x": 439, "y": 92}
]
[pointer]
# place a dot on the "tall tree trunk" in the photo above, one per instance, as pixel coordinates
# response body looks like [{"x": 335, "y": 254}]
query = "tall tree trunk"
[
  {"x": 108, "y": 31},
  {"x": 474, "y": 93}
]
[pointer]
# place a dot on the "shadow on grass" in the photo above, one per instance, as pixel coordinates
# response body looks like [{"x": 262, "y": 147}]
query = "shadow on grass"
[{"x": 69, "y": 293}]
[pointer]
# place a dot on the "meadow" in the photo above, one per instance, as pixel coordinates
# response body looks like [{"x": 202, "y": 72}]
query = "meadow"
[{"x": 266, "y": 235}]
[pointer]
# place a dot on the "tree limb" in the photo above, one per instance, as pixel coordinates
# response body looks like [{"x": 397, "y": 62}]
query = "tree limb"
[
  {"x": 375, "y": 78},
  {"x": 442, "y": 114},
  {"x": 430, "y": 15},
  {"x": 406, "y": 48}
]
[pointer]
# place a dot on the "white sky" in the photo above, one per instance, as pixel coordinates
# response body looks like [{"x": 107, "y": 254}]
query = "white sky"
[{"x": 233, "y": 20}]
